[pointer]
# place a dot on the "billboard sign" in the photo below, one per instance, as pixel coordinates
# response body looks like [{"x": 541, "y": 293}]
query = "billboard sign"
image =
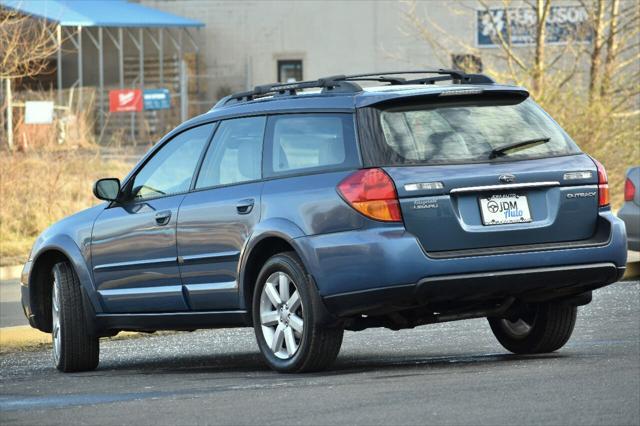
[
  {"x": 156, "y": 99},
  {"x": 563, "y": 24},
  {"x": 125, "y": 100},
  {"x": 38, "y": 112}
]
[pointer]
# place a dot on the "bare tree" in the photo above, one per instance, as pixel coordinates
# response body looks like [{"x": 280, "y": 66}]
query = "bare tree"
[
  {"x": 612, "y": 48},
  {"x": 589, "y": 83},
  {"x": 596, "y": 16},
  {"x": 543, "y": 70},
  {"x": 612, "y": 27},
  {"x": 615, "y": 51},
  {"x": 541, "y": 8},
  {"x": 26, "y": 44}
]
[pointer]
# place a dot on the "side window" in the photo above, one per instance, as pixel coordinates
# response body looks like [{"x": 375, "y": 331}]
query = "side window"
[
  {"x": 235, "y": 154},
  {"x": 171, "y": 169},
  {"x": 304, "y": 142}
]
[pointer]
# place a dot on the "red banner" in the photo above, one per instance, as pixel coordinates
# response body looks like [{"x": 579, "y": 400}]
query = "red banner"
[{"x": 125, "y": 100}]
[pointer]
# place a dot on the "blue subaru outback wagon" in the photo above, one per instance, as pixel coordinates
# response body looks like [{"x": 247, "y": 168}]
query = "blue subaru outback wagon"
[{"x": 306, "y": 209}]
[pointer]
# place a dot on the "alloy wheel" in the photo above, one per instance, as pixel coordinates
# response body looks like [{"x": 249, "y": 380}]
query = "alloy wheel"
[
  {"x": 281, "y": 315},
  {"x": 56, "y": 331},
  {"x": 518, "y": 329}
]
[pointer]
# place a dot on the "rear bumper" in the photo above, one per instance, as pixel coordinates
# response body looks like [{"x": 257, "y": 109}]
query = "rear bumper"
[
  {"x": 531, "y": 285},
  {"x": 363, "y": 270}
]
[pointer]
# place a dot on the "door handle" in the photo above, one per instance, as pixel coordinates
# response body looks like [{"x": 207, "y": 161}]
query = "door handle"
[
  {"x": 245, "y": 206},
  {"x": 163, "y": 218}
]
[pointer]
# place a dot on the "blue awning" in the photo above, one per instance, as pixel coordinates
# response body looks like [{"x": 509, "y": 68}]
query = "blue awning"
[{"x": 99, "y": 13}]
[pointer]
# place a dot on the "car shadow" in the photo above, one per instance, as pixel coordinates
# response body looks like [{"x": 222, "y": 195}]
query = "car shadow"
[
  {"x": 435, "y": 363},
  {"x": 251, "y": 362}
]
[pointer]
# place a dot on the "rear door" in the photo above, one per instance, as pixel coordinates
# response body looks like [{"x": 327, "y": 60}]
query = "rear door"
[
  {"x": 217, "y": 218},
  {"x": 460, "y": 190}
]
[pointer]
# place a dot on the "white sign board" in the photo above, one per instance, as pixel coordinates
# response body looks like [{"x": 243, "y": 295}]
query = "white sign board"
[{"x": 38, "y": 112}]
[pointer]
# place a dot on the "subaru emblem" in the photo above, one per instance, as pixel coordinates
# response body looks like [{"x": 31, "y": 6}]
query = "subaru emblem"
[{"x": 507, "y": 178}]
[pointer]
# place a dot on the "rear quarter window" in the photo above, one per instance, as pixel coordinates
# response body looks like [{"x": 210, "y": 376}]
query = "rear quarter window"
[{"x": 306, "y": 143}]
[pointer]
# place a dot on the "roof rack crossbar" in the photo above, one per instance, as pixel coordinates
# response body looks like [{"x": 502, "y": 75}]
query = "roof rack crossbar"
[
  {"x": 456, "y": 74},
  {"x": 443, "y": 74},
  {"x": 381, "y": 79},
  {"x": 292, "y": 88}
]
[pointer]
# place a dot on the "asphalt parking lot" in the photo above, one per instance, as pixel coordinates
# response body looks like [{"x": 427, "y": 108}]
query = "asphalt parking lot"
[{"x": 453, "y": 373}]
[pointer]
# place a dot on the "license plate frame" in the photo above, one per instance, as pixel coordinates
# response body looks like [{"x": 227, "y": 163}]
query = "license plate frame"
[{"x": 504, "y": 209}]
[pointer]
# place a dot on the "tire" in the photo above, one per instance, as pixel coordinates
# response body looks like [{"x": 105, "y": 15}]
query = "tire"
[
  {"x": 543, "y": 328},
  {"x": 74, "y": 348},
  {"x": 303, "y": 344}
]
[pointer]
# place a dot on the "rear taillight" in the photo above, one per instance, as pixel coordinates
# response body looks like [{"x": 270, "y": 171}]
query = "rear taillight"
[
  {"x": 372, "y": 193},
  {"x": 603, "y": 185},
  {"x": 629, "y": 190}
]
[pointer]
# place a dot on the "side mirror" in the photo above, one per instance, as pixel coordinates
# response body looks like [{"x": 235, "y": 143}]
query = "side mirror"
[{"x": 107, "y": 189}]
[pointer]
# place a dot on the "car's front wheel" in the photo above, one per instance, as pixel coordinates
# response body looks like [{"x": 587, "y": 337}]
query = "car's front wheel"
[
  {"x": 539, "y": 328},
  {"x": 285, "y": 321},
  {"x": 74, "y": 348}
]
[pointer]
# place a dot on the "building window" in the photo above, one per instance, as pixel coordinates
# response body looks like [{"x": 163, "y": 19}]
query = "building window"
[{"x": 289, "y": 71}]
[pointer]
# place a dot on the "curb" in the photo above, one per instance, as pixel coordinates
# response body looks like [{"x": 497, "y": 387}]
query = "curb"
[
  {"x": 10, "y": 272},
  {"x": 633, "y": 271},
  {"x": 21, "y": 337},
  {"x": 24, "y": 337},
  {"x": 633, "y": 265}
]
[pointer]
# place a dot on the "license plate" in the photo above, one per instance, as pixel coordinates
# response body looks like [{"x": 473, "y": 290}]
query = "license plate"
[{"x": 500, "y": 209}]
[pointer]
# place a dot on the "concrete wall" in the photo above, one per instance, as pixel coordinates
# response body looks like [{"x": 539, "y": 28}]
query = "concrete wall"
[{"x": 243, "y": 39}]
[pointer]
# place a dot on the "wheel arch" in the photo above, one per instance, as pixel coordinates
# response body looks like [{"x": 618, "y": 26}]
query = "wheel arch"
[
  {"x": 39, "y": 281},
  {"x": 269, "y": 245},
  {"x": 280, "y": 237},
  {"x": 269, "y": 238},
  {"x": 40, "y": 286}
]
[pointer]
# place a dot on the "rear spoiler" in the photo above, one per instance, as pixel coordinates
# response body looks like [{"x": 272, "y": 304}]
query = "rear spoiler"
[{"x": 501, "y": 94}]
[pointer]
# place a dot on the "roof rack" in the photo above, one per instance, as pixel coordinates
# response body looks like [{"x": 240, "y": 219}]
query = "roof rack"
[{"x": 347, "y": 83}]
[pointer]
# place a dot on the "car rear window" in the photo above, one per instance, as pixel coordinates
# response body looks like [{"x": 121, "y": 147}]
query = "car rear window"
[{"x": 467, "y": 132}]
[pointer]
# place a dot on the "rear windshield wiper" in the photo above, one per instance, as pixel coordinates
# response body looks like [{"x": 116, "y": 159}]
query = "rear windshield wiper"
[{"x": 500, "y": 151}]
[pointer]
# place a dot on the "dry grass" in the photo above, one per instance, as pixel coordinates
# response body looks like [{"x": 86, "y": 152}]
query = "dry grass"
[{"x": 39, "y": 188}]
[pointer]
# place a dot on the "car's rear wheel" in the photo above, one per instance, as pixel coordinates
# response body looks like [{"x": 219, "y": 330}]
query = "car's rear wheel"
[
  {"x": 286, "y": 322},
  {"x": 539, "y": 328},
  {"x": 74, "y": 348}
]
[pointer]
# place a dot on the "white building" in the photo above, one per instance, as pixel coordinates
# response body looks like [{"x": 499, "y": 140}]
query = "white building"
[{"x": 249, "y": 42}]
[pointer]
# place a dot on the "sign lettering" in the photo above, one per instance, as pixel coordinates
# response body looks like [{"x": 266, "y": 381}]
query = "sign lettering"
[
  {"x": 125, "y": 100},
  {"x": 563, "y": 24}
]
